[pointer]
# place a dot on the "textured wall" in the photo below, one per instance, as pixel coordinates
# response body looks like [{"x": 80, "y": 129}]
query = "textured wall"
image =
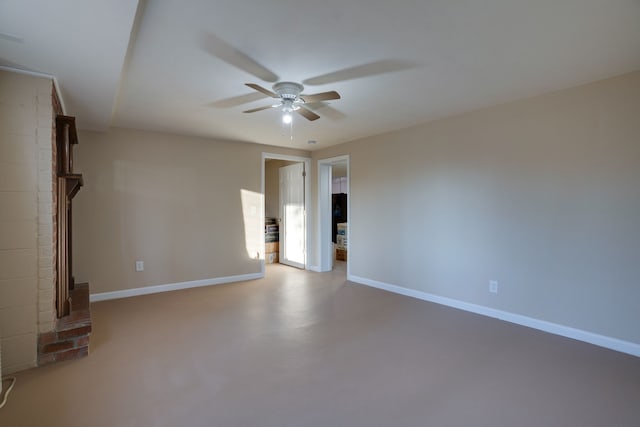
[
  {"x": 177, "y": 203},
  {"x": 540, "y": 194}
]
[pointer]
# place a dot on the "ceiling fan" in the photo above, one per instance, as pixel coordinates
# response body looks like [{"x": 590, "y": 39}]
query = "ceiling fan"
[
  {"x": 290, "y": 94},
  {"x": 292, "y": 99}
]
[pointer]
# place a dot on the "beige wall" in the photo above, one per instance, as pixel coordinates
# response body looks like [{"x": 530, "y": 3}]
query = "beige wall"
[
  {"x": 26, "y": 275},
  {"x": 173, "y": 202},
  {"x": 542, "y": 195}
]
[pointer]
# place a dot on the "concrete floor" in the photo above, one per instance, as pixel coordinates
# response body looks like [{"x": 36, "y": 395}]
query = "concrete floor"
[{"x": 307, "y": 349}]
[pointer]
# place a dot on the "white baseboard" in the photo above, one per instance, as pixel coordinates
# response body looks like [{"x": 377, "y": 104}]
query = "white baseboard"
[
  {"x": 103, "y": 296},
  {"x": 314, "y": 268},
  {"x": 542, "y": 325}
]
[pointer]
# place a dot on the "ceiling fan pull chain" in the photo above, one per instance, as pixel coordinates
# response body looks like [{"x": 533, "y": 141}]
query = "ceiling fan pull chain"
[{"x": 291, "y": 131}]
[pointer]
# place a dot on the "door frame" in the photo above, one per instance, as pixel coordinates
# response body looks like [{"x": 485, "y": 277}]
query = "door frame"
[
  {"x": 307, "y": 199},
  {"x": 325, "y": 166}
]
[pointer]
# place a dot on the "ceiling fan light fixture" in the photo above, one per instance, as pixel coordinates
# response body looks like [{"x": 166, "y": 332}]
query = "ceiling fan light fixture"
[{"x": 288, "y": 107}]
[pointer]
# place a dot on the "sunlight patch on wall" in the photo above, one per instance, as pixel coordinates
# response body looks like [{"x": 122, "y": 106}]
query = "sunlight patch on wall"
[{"x": 252, "y": 214}]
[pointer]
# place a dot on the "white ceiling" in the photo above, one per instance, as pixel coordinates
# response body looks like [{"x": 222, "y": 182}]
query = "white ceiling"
[
  {"x": 81, "y": 43},
  {"x": 180, "y": 66}
]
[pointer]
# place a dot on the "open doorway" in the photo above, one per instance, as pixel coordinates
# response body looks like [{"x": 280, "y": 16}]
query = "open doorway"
[
  {"x": 334, "y": 214},
  {"x": 286, "y": 196}
]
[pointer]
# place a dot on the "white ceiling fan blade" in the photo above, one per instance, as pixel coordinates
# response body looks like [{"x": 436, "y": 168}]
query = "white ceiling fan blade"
[
  {"x": 263, "y": 90},
  {"x": 221, "y": 49},
  {"x": 253, "y": 110}
]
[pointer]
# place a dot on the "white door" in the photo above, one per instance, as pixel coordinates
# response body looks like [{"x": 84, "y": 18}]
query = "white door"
[{"x": 292, "y": 219}]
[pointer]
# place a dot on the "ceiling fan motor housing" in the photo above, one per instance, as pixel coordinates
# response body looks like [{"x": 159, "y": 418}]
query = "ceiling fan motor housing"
[{"x": 288, "y": 90}]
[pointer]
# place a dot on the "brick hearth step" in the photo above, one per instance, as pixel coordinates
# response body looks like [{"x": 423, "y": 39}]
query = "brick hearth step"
[{"x": 70, "y": 337}]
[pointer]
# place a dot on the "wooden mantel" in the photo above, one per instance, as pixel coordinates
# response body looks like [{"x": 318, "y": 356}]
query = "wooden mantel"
[{"x": 68, "y": 184}]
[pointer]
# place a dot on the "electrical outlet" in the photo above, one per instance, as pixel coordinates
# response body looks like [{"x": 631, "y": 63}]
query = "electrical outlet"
[
  {"x": 493, "y": 286},
  {"x": 139, "y": 265}
]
